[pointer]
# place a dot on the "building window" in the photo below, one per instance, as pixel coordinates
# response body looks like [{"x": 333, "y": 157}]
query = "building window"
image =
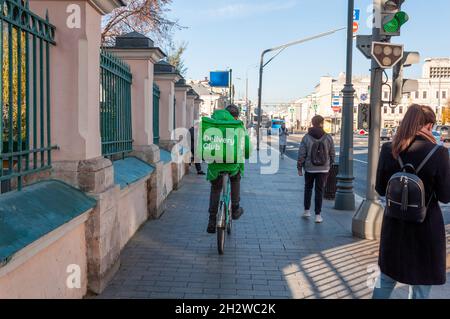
[
  {"x": 417, "y": 95},
  {"x": 444, "y": 94},
  {"x": 392, "y": 110},
  {"x": 400, "y": 109},
  {"x": 385, "y": 109},
  {"x": 386, "y": 95},
  {"x": 424, "y": 95},
  {"x": 437, "y": 94}
]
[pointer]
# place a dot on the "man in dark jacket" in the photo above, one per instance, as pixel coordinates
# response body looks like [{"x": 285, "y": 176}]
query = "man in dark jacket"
[
  {"x": 315, "y": 156},
  {"x": 198, "y": 166}
]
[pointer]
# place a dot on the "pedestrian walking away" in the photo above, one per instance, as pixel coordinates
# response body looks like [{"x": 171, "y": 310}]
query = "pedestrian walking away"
[
  {"x": 283, "y": 133},
  {"x": 196, "y": 161},
  {"x": 316, "y": 155},
  {"x": 414, "y": 175}
]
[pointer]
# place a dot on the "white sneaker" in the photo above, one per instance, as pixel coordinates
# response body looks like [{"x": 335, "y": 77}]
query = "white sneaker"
[
  {"x": 319, "y": 219},
  {"x": 307, "y": 214}
]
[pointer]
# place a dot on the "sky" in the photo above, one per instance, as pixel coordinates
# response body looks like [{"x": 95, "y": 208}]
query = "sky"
[{"x": 224, "y": 34}]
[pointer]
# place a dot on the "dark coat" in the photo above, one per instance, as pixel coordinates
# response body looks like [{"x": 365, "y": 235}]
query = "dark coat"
[
  {"x": 412, "y": 253},
  {"x": 192, "y": 134}
]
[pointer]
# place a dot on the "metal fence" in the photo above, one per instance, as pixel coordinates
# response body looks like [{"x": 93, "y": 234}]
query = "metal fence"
[
  {"x": 115, "y": 105},
  {"x": 156, "y": 98},
  {"x": 25, "y": 144}
]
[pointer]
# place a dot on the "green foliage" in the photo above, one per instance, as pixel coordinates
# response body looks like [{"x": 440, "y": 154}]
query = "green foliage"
[
  {"x": 13, "y": 61},
  {"x": 175, "y": 58}
]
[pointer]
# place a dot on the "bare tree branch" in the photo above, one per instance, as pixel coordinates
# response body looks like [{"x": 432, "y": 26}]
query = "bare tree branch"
[{"x": 144, "y": 16}]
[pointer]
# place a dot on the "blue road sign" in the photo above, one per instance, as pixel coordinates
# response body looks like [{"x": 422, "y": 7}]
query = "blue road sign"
[
  {"x": 364, "y": 97},
  {"x": 356, "y": 14},
  {"x": 219, "y": 79}
]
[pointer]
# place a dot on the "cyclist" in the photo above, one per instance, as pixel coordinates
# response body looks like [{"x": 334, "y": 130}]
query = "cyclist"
[{"x": 235, "y": 170}]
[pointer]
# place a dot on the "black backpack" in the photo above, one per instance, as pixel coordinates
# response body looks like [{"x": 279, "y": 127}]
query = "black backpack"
[
  {"x": 405, "y": 193},
  {"x": 319, "y": 154}
]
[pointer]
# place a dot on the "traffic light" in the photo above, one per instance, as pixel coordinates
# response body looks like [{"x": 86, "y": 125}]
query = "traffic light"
[
  {"x": 392, "y": 18},
  {"x": 401, "y": 86},
  {"x": 387, "y": 54},
  {"x": 363, "y": 116}
]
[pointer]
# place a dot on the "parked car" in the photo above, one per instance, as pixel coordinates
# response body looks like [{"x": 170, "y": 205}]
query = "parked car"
[
  {"x": 445, "y": 133},
  {"x": 386, "y": 134},
  {"x": 437, "y": 135}
]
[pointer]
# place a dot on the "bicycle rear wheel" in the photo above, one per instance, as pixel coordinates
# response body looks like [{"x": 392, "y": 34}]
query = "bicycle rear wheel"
[
  {"x": 230, "y": 219},
  {"x": 220, "y": 228}
]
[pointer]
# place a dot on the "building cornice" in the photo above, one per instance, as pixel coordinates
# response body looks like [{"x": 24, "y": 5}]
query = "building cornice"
[
  {"x": 152, "y": 54},
  {"x": 174, "y": 77},
  {"x": 107, "y": 6},
  {"x": 182, "y": 88}
]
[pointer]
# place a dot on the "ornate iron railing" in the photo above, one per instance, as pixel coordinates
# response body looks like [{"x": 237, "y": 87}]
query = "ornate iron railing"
[
  {"x": 25, "y": 137},
  {"x": 156, "y": 98},
  {"x": 115, "y": 105}
]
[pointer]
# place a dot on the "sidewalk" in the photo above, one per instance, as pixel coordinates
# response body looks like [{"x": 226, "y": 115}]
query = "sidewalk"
[{"x": 272, "y": 252}]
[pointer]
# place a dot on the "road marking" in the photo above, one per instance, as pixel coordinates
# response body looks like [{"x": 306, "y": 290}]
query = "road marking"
[{"x": 357, "y": 160}]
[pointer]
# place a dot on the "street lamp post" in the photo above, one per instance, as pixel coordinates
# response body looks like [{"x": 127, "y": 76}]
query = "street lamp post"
[
  {"x": 261, "y": 69},
  {"x": 345, "y": 197}
]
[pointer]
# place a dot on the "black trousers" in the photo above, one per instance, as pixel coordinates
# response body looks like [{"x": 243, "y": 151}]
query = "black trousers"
[
  {"x": 282, "y": 149},
  {"x": 216, "y": 189},
  {"x": 316, "y": 181},
  {"x": 198, "y": 166}
]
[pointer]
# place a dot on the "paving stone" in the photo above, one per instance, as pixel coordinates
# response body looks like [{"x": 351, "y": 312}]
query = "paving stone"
[{"x": 272, "y": 252}]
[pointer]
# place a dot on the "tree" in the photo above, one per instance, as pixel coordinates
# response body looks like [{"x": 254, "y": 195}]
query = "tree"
[
  {"x": 144, "y": 16},
  {"x": 14, "y": 85},
  {"x": 175, "y": 58}
]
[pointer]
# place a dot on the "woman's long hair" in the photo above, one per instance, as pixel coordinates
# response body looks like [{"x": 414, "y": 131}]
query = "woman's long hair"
[{"x": 415, "y": 119}]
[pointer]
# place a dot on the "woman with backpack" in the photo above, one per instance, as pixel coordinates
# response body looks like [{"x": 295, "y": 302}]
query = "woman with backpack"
[
  {"x": 316, "y": 155},
  {"x": 413, "y": 244}
]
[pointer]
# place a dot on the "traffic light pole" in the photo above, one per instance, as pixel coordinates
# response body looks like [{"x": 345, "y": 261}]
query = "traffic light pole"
[
  {"x": 345, "y": 196},
  {"x": 367, "y": 220}
]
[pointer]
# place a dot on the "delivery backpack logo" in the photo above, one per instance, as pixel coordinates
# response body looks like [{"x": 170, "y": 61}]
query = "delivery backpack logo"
[
  {"x": 221, "y": 144},
  {"x": 215, "y": 142}
]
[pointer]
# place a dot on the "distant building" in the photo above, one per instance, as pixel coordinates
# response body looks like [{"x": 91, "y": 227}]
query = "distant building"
[
  {"x": 326, "y": 100},
  {"x": 213, "y": 98}
]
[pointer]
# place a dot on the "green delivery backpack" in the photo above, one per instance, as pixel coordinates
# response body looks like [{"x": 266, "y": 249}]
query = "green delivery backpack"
[{"x": 221, "y": 141}]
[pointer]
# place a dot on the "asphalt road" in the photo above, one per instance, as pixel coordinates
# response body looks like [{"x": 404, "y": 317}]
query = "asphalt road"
[
  {"x": 360, "y": 145},
  {"x": 359, "y": 164}
]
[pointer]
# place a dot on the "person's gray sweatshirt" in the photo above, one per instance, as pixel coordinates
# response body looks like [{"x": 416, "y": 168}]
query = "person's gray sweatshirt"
[{"x": 304, "y": 152}]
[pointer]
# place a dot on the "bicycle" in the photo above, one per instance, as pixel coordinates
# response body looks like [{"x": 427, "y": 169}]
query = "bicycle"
[{"x": 224, "y": 218}]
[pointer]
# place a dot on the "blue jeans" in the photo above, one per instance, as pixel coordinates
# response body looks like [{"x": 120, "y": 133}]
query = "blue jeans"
[{"x": 385, "y": 286}]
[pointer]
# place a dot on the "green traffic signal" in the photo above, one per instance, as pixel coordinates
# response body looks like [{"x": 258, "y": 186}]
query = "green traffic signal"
[{"x": 395, "y": 22}]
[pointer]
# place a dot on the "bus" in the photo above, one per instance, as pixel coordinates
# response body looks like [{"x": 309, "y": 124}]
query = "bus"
[{"x": 275, "y": 126}]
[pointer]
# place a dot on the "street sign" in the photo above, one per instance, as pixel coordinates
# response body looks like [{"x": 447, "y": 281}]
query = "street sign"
[
  {"x": 355, "y": 27},
  {"x": 364, "y": 44},
  {"x": 336, "y": 100},
  {"x": 387, "y": 54},
  {"x": 336, "y": 109},
  {"x": 219, "y": 79},
  {"x": 356, "y": 13}
]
